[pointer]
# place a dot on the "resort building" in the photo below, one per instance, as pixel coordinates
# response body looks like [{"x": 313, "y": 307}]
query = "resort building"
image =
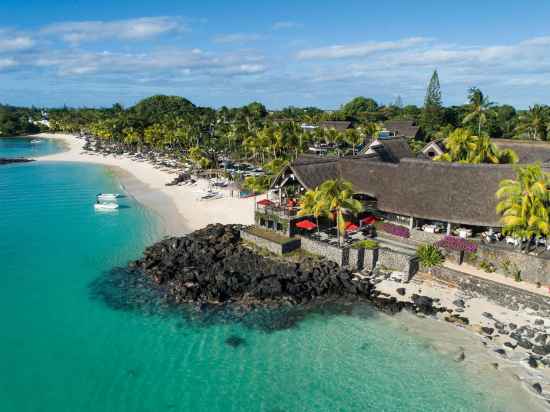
[{"x": 400, "y": 188}]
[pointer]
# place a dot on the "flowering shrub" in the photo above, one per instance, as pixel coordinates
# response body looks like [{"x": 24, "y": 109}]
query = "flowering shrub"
[
  {"x": 392, "y": 229},
  {"x": 457, "y": 244}
]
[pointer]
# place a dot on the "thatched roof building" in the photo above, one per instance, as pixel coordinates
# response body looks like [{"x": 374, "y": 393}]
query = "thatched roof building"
[
  {"x": 528, "y": 151},
  {"x": 418, "y": 188},
  {"x": 403, "y": 128}
]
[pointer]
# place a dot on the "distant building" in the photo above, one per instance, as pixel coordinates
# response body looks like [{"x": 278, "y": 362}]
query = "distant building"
[
  {"x": 339, "y": 125},
  {"x": 433, "y": 149},
  {"x": 403, "y": 128}
]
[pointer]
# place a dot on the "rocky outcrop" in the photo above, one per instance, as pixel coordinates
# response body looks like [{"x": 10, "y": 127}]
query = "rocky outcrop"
[
  {"x": 212, "y": 265},
  {"x": 7, "y": 161}
]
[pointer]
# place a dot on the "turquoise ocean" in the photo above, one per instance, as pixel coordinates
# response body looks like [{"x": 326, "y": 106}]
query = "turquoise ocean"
[{"x": 62, "y": 348}]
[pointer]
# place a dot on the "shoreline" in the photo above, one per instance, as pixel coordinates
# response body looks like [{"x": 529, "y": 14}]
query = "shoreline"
[
  {"x": 181, "y": 213},
  {"x": 177, "y": 206}
]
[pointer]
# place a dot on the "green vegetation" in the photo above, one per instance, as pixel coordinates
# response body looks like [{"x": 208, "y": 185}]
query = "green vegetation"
[
  {"x": 365, "y": 244},
  {"x": 16, "y": 121},
  {"x": 429, "y": 255},
  {"x": 334, "y": 199},
  {"x": 269, "y": 235},
  {"x": 464, "y": 147},
  {"x": 524, "y": 204}
]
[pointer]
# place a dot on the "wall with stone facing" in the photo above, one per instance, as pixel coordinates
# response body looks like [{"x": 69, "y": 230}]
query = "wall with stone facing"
[
  {"x": 504, "y": 295},
  {"x": 273, "y": 247},
  {"x": 532, "y": 268},
  {"x": 391, "y": 259},
  {"x": 333, "y": 253}
]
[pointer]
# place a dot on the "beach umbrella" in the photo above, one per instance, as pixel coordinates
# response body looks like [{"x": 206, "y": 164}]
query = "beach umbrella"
[
  {"x": 265, "y": 202},
  {"x": 350, "y": 227},
  {"x": 306, "y": 224},
  {"x": 369, "y": 220}
]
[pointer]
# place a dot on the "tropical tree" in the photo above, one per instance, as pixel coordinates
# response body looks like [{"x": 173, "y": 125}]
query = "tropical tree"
[
  {"x": 432, "y": 115},
  {"x": 463, "y": 147},
  {"x": 312, "y": 203},
  {"x": 337, "y": 195},
  {"x": 460, "y": 144},
  {"x": 353, "y": 137},
  {"x": 479, "y": 106},
  {"x": 524, "y": 204},
  {"x": 534, "y": 122}
]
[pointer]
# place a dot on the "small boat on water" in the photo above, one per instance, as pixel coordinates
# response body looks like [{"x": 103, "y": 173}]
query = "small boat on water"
[
  {"x": 106, "y": 206},
  {"x": 107, "y": 196},
  {"x": 35, "y": 141}
]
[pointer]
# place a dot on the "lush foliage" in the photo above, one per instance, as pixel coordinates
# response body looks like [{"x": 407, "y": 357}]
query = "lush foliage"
[
  {"x": 525, "y": 203},
  {"x": 15, "y": 121},
  {"x": 464, "y": 147},
  {"x": 365, "y": 244},
  {"x": 334, "y": 199},
  {"x": 392, "y": 229},
  {"x": 429, "y": 255},
  {"x": 457, "y": 244}
]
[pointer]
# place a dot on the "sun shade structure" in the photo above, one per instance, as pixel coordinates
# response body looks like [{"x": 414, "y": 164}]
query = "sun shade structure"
[
  {"x": 350, "y": 227},
  {"x": 265, "y": 202},
  {"x": 306, "y": 224},
  {"x": 369, "y": 220}
]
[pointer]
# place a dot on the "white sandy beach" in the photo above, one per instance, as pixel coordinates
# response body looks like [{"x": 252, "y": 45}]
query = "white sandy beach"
[{"x": 191, "y": 213}]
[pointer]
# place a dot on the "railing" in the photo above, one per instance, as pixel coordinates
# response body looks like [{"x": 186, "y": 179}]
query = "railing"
[{"x": 282, "y": 211}]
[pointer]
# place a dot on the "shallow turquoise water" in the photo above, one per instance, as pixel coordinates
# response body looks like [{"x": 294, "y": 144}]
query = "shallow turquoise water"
[
  {"x": 61, "y": 350},
  {"x": 22, "y": 147}
]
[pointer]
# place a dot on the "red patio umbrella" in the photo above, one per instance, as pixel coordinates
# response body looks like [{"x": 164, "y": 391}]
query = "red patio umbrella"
[
  {"x": 369, "y": 220},
  {"x": 265, "y": 202},
  {"x": 350, "y": 227},
  {"x": 306, "y": 224}
]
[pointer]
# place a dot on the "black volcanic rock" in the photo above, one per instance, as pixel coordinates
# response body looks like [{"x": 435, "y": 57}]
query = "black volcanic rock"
[
  {"x": 212, "y": 265},
  {"x": 4, "y": 161}
]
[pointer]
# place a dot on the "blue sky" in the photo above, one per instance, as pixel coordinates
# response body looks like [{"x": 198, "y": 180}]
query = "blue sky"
[{"x": 314, "y": 53}]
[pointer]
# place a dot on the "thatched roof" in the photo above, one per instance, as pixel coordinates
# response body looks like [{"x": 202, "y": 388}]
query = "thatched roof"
[
  {"x": 449, "y": 192},
  {"x": 335, "y": 124},
  {"x": 402, "y": 128},
  {"x": 393, "y": 150},
  {"x": 528, "y": 151}
]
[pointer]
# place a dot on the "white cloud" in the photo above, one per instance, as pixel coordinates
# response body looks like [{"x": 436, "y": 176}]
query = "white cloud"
[
  {"x": 167, "y": 62},
  {"x": 13, "y": 42},
  {"x": 131, "y": 29},
  {"x": 358, "y": 50},
  {"x": 7, "y": 63},
  {"x": 282, "y": 25},
  {"x": 240, "y": 38}
]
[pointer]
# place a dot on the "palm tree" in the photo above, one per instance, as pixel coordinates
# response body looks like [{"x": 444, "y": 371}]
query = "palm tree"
[
  {"x": 479, "y": 108},
  {"x": 337, "y": 195},
  {"x": 464, "y": 147},
  {"x": 534, "y": 122},
  {"x": 353, "y": 137},
  {"x": 312, "y": 203},
  {"x": 524, "y": 204},
  {"x": 460, "y": 144}
]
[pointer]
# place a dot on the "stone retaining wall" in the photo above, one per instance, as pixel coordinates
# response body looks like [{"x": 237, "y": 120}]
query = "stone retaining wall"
[
  {"x": 273, "y": 247},
  {"x": 401, "y": 262},
  {"x": 504, "y": 295},
  {"x": 532, "y": 268},
  {"x": 332, "y": 253}
]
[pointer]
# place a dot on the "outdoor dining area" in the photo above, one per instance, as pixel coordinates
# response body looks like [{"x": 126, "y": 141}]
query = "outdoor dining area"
[{"x": 326, "y": 231}]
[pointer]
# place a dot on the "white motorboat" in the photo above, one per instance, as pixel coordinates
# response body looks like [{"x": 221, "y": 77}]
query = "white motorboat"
[
  {"x": 35, "y": 141},
  {"x": 107, "y": 196},
  {"x": 106, "y": 206}
]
